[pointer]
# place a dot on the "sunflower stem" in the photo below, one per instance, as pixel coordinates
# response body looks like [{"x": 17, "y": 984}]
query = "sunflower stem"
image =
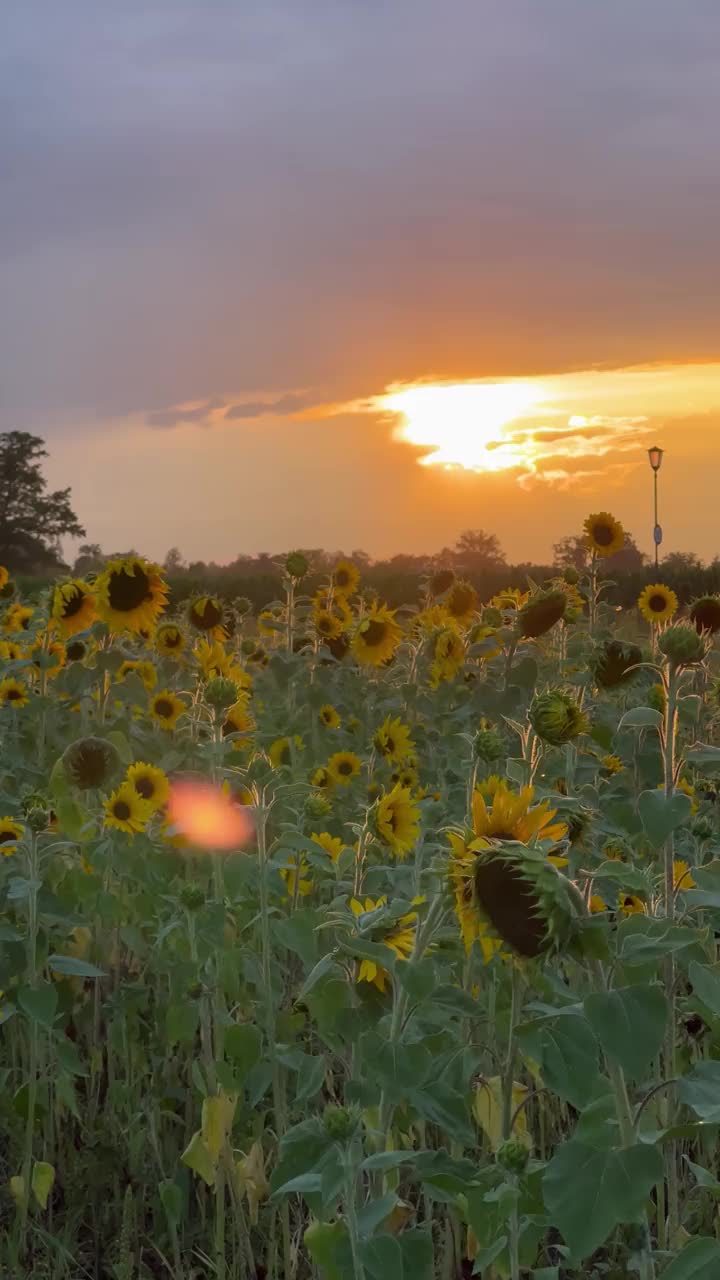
[
  {"x": 670, "y": 1065},
  {"x": 509, "y": 1073}
]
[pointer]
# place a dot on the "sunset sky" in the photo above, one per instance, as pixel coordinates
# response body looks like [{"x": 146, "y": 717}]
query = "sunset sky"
[{"x": 252, "y": 251}]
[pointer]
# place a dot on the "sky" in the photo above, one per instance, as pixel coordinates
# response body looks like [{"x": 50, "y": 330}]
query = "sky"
[{"x": 233, "y": 235}]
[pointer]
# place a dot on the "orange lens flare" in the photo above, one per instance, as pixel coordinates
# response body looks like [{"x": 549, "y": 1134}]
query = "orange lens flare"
[{"x": 208, "y": 817}]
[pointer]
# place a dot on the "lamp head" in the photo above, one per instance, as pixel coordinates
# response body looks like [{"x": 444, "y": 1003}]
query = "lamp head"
[{"x": 656, "y": 456}]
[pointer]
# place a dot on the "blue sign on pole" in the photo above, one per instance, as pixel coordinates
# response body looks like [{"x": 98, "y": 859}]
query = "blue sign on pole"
[{"x": 657, "y": 534}]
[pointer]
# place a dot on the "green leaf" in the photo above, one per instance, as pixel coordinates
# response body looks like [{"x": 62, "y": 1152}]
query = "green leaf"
[
  {"x": 701, "y": 753},
  {"x": 445, "y": 1107},
  {"x": 69, "y": 1058},
  {"x": 181, "y": 1022},
  {"x": 630, "y": 1023},
  {"x": 326, "y": 965},
  {"x": 700, "y": 1089},
  {"x": 567, "y": 1052},
  {"x": 69, "y": 966},
  {"x": 381, "y": 1258},
  {"x": 699, "y": 1260},
  {"x": 588, "y": 1192},
  {"x": 704, "y": 1178},
  {"x": 705, "y": 981},
  {"x": 644, "y": 939},
  {"x": 323, "y": 1241},
  {"x": 243, "y": 1044},
  {"x": 311, "y": 1077},
  {"x": 661, "y": 814},
  {"x": 74, "y": 820},
  {"x": 172, "y": 1201},
  {"x": 641, "y": 718},
  {"x": 373, "y": 1213},
  {"x": 42, "y": 1182},
  {"x": 39, "y": 1003}
]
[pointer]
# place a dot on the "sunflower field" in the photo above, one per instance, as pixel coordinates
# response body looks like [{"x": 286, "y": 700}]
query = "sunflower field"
[{"x": 350, "y": 943}]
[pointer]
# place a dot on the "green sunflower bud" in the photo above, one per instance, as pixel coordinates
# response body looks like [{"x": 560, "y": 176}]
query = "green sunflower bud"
[
  {"x": 613, "y": 661},
  {"x": 571, "y": 576},
  {"x": 705, "y": 613},
  {"x": 513, "y": 1156},
  {"x": 91, "y": 762},
  {"x": 220, "y": 692},
  {"x": 702, "y": 828},
  {"x": 489, "y": 746},
  {"x": 242, "y": 605},
  {"x": 682, "y": 645},
  {"x": 192, "y": 897},
  {"x": 556, "y": 717},
  {"x": 541, "y": 612},
  {"x": 525, "y": 899},
  {"x": 317, "y": 805},
  {"x": 297, "y": 564},
  {"x": 248, "y": 646},
  {"x": 340, "y": 1123},
  {"x": 37, "y": 817},
  {"x": 656, "y": 698}
]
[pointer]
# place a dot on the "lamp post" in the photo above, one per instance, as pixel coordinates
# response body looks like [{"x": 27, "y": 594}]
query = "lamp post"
[{"x": 656, "y": 456}]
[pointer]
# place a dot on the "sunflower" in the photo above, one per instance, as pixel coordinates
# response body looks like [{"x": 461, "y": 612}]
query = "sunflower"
[
  {"x": 17, "y": 618},
  {"x": 657, "y": 604},
  {"x": 144, "y": 670},
  {"x": 239, "y": 719},
  {"x": 631, "y": 905},
  {"x": 448, "y": 649},
  {"x": 126, "y": 810},
  {"x": 400, "y": 939},
  {"x": 150, "y": 783},
  {"x": 205, "y": 613},
  {"x": 10, "y": 833},
  {"x": 705, "y": 613},
  {"x": 682, "y": 876},
  {"x": 462, "y": 601},
  {"x": 343, "y": 766},
  {"x": 484, "y": 636},
  {"x": 72, "y": 606},
  {"x": 13, "y": 693},
  {"x": 604, "y": 535},
  {"x": 510, "y": 600},
  {"x": 615, "y": 662},
  {"x": 282, "y": 750},
  {"x": 4, "y": 576},
  {"x": 90, "y": 762},
  {"x": 329, "y": 717},
  {"x": 295, "y": 874},
  {"x": 332, "y": 845},
  {"x": 397, "y": 820},
  {"x": 166, "y": 708},
  {"x": 393, "y": 741},
  {"x": 267, "y": 623},
  {"x": 322, "y": 779},
  {"x": 612, "y": 764},
  {"x": 130, "y": 594},
  {"x": 345, "y": 577},
  {"x": 327, "y": 625},
  {"x": 76, "y": 650},
  {"x": 47, "y": 657},
  {"x": 441, "y": 581},
  {"x": 509, "y": 816},
  {"x": 541, "y": 612},
  {"x": 11, "y": 651},
  {"x": 406, "y": 777},
  {"x": 169, "y": 640},
  {"x": 377, "y": 637},
  {"x": 214, "y": 661}
]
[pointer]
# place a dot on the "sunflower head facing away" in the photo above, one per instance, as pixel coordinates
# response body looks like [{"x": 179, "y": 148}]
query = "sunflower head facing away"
[
  {"x": 126, "y": 811},
  {"x": 462, "y": 601},
  {"x": 205, "y": 613},
  {"x": 615, "y": 662},
  {"x": 377, "y": 636},
  {"x": 10, "y": 833},
  {"x": 90, "y": 762},
  {"x": 540, "y": 613},
  {"x": 72, "y": 606},
  {"x": 705, "y": 613},
  {"x": 150, "y": 783},
  {"x": 524, "y": 899},
  {"x": 657, "y": 604},
  {"x": 604, "y": 535},
  {"x": 556, "y": 717},
  {"x": 130, "y": 594},
  {"x": 397, "y": 820}
]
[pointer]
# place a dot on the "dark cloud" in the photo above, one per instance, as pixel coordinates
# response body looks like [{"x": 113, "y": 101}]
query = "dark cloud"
[{"x": 279, "y": 408}]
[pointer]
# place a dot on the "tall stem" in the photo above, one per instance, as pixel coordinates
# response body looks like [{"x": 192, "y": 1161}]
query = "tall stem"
[
  {"x": 670, "y": 735},
  {"x": 33, "y": 1056}
]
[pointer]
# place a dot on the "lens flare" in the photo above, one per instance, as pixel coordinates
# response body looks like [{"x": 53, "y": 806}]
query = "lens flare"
[{"x": 208, "y": 817}]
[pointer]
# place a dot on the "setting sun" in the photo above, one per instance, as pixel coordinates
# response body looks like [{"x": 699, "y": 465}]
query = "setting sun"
[{"x": 461, "y": 424}]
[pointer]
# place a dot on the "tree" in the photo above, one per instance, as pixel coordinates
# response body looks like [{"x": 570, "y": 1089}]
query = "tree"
[
  {"x": 571, "y": 552},
  {"x": 90, "y": 559},
  {"x": 476, "y": 550},
  {"x": 173, "y": 561},
  {"x": 32, "y": 521}
]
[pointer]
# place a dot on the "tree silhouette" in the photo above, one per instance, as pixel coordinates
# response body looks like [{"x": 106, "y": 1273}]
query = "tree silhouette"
[
  {"x": 32, "y": 521},
  {"x": 477, "y": 550}
]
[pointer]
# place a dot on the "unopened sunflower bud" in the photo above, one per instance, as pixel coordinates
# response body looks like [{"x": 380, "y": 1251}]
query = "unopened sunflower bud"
[
  {"x": 614, "y": 662},
  {"x": 220, "y": 692},
  {"x": 556, "y": 717},
  {"x": 297, "y": 564},
  {"x": 705, "y": 613},
  {"x": 317, "y": 805},
  {"x": 492, "y": 617},
  {"x": 513, "y": 1156},
  {"x": 489, "y": 746},
  {"x": 37, "y": 817},
  {"x": 91, "y": 762},
  {"x": 340, "y": 1123},
  {"x": 571, "y": 576},
  {"x": 248, "y": 646},
  {"x": 702, "y": 828},
  {"x": 682, "y": 645},
  {"x": 192, "y": 897},
  {"x": 242, "y": 605}
]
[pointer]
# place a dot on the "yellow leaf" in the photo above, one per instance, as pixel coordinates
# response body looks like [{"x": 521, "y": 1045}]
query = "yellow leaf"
[
  {"x": 17, "y": 1190},
  {"x": 488, "y": 1106},
  {"x": 251, "y": 1179},
  {"x": 43, "y": 1178},
  {"x": 197, "y": 1157},
  {"x": 398, "y": 1218},
  {"x": 217, "y": 1117}
]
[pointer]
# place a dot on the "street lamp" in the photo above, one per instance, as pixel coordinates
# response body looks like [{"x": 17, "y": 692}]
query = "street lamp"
[{"x": 656, "y": 456}]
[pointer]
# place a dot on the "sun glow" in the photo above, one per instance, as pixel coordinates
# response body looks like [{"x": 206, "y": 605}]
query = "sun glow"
[{"x": 463, "y": 424}]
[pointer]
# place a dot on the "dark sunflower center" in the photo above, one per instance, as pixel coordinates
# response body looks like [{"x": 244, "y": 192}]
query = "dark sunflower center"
[
  {"x": 345, "y": 767},
  {"x": 7, "y": 836},
  {"x": 342, "y": 578},
  {"x": 207, "y": 615},
  {"x": 75, "y": 651},
  {"x": 13, "y": 695},
  {"x": 657, "y": 603},
  {"x": 374, "y": 633},
  {"x": 389, "y": 745},
  {"x": 164, "y": 708},
  {"x": 392, "y": 820},
  {"x": 73, "y": 605},
  {"x": 602, "y": 534},
  {"x": 145, "y": 787},
  {"x": 121, "y": 810},
  {"x": 172, "y": 639},
  {"x": 127, "y": 591},
  {"x": 325, "y": 625}
]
